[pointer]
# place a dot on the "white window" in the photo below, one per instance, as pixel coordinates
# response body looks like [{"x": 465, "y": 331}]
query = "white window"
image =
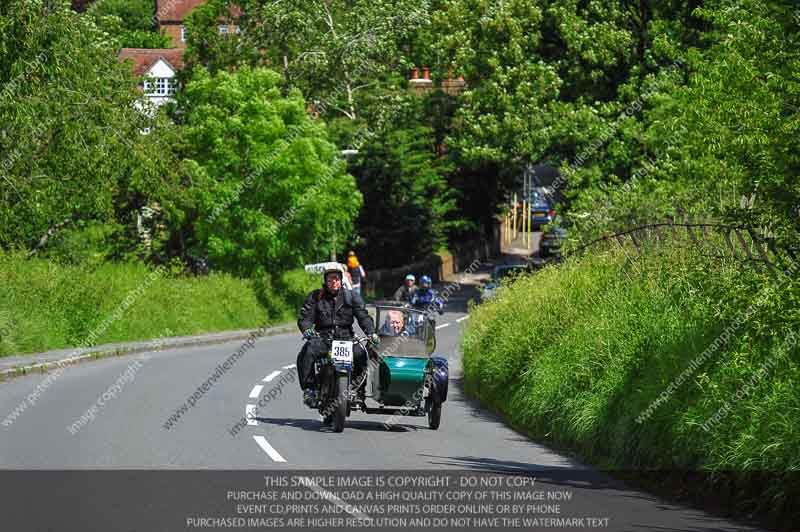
[
  {"x": 223, "y": 30},
  {"x": 159, "y": 86},
  {"x": 184, "y": 33}
]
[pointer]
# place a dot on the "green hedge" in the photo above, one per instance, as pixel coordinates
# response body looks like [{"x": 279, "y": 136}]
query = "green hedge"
[
  {"x": 44, "y": 305},
  {"x": 576, "y": 354}
]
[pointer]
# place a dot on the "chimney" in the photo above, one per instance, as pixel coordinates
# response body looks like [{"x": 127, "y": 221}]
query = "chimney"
[
  {"x": 421, "y": 85},
  {"x": 453, "y": 87}
]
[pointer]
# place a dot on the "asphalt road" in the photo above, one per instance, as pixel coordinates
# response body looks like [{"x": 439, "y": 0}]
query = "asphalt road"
[{"x": 129, "y": 430}]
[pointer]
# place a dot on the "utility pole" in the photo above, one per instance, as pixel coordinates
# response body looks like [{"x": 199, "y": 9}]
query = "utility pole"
[
  {"x": 525, "y": 208},
  {"x": 516, "y": 227},
  {"x": 333, "y": 243}
]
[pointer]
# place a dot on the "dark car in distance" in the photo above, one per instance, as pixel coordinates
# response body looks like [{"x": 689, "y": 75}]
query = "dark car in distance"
[
  {"x": 552, "y": 242},
  {"x": 500, "y": 273}
]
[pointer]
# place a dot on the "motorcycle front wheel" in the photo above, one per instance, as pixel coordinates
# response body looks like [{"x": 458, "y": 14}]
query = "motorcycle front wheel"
[{"x": 342, "y": 400}]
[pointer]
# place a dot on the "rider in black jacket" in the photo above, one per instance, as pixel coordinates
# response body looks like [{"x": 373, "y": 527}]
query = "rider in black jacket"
[{"x": 331, "y": 309}]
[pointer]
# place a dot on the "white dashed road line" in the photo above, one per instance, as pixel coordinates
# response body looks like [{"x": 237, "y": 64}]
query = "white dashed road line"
[
  {"x": 459, "y": 320},
  {"x": 443, "y": 325},
  {"x": 290, "y": 366},
  {"x": 269, "y": 449},
  {"x": 256, "y": 392},
  {"x": 271, "y": 376},
  {"x": 250, "y": 414},
  {"x": 325, "y": 494}
]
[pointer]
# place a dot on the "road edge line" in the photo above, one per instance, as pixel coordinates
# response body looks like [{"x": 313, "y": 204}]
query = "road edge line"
[{"x": 44, "y": 367}]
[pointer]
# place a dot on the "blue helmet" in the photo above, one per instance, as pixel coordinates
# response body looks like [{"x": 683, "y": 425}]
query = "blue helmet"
[{"x": 425, "y": 280}]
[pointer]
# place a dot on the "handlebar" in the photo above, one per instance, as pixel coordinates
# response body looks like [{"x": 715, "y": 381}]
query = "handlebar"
[{"x": 327, "y": 335}]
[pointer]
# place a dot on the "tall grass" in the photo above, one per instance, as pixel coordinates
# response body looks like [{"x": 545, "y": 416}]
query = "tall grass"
[
  {"x": 44, "y": 305},
  {"x": 575, "y": 354}
]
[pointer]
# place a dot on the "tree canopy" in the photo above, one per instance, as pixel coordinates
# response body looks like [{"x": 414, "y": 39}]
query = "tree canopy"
[
  {"x": 271, "y": 189},
  {"x": 649, "y": 108},
  {"x": 71, "y": 141}
]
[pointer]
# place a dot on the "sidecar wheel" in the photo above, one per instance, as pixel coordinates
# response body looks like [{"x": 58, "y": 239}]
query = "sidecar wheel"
[{"x": 435, "y": 412}]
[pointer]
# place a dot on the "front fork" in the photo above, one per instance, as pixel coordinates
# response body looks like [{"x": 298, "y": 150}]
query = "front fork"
[{"x": 329, "y": 373}]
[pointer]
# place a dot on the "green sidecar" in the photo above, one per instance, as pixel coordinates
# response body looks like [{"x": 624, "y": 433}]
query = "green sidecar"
[{"x": 406, "y": 379}]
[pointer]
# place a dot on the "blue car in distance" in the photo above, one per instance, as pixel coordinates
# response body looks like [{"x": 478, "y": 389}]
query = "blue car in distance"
[{"x": 541, "y": 208}]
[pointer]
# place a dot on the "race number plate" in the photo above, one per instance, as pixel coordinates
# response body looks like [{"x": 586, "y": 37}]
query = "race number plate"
[{"x": 342, "y": 351}]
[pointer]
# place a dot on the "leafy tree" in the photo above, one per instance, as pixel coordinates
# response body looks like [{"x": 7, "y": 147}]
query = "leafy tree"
[
  {"x": 494, "y": 45},
  {"x": 134, "y": 14},
  {"x": 144, "y": 39},
  {"x": 215, "y": 51},
  {"x": 332, "y": 50},
  {"x": 649, "y": 108},
  {"x": 408, "y": 205},
  {"x": 71, "y": 148},
  {"x": 268, "y": 185},
  {"x": 132, "y": 24},
  {"x": 740, "y": 112}
]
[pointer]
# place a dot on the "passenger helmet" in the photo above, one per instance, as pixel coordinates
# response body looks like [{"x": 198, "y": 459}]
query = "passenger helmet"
[{"x": 425, "y": 281}]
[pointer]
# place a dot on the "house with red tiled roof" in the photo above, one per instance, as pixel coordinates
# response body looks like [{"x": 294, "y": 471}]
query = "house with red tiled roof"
[{"x": 157, "y": 68}]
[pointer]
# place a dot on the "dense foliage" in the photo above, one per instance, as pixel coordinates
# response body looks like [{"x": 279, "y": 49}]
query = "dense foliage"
[
  {"x": 134, "y": 14},
  {"x": 647, "y": 107},
  {"x": 650, "y": 109},
  {"x": 677, "y": 361},
  {"x": 71, "y": 143},
  {"x": 131, "y": 22},
  {"x": 270, "y": 187},
  {"x": 334, "y": 51},
  {"x": 407, "y": 200}
]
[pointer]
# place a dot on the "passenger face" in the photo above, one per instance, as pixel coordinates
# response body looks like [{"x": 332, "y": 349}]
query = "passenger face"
[{"x": 396, "y": 322}]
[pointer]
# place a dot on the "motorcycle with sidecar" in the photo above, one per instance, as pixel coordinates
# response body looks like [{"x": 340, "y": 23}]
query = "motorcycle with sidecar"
[{"x": 403, "y": 376}]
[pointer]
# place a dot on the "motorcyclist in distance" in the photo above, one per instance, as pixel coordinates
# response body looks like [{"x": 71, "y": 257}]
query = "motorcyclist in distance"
[
  {"x": 405, "y": 292},
  {"x": 425, "y": 297}
]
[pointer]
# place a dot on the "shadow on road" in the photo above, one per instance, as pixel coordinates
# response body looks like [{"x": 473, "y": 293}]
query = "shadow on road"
[
  {"x": 316, "y": 426},
  {"x": 552, "y": 477},
  {"x": 476, "y": 408}
]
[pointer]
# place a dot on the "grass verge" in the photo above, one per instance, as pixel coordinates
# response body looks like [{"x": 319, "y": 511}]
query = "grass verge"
[
  {"x": 674, "y": 363},
  {"x": 44, "y": 305}
]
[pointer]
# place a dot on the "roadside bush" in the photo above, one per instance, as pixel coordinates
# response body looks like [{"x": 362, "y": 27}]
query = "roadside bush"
[
  {"x": 593, "y": 356},
  {"x": 282, "y": 296}
]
